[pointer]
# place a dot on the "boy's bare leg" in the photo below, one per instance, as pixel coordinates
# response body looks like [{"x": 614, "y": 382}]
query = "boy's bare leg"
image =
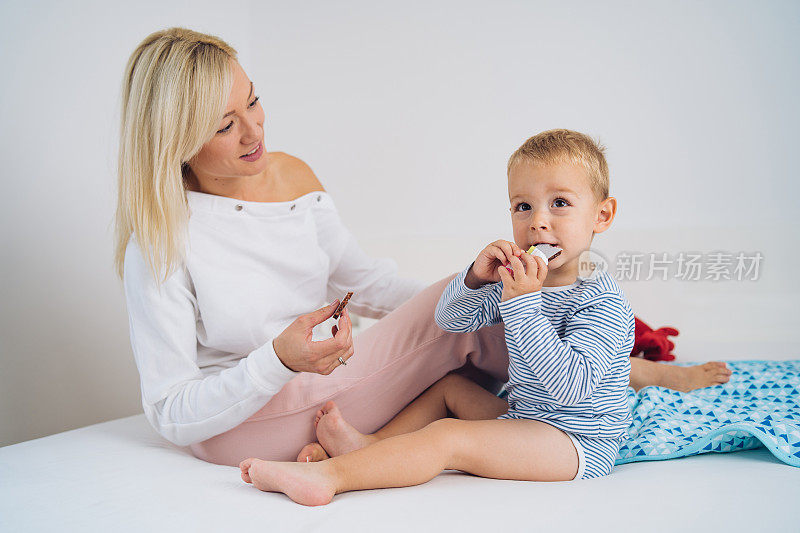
[
  {"x": 468, "y": 401},
  {"x": 453, "y": 395},
  {"x": 681, "y": 378},
  {"x": 500, "y": 449}
]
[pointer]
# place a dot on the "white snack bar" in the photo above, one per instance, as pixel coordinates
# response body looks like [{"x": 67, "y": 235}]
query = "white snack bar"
[{"x": 548, "y": 252}]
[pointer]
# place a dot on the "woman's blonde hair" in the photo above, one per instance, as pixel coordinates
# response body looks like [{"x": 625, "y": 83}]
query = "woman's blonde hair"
[
  {"x": 567, "y": 146},
  {"x": 174, "y": 93}
]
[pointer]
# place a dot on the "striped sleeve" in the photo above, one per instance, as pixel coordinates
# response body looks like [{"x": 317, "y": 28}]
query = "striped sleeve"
[
  {"x": 461, "y": 309},
  {"x": 570, "y": 368}
]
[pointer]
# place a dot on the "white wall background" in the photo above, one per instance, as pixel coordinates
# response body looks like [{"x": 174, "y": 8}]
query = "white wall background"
[{"x": 408, "y": 112}]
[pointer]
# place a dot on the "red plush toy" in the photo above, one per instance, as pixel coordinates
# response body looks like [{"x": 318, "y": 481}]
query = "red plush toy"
[{"x": 653, "y": 344}]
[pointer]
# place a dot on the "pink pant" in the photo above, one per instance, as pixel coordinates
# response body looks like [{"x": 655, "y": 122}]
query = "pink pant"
[{"x": 395, "y": 360}]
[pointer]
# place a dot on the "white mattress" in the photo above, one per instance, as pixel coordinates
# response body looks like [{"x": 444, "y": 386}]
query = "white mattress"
[{"x": 122, "y": 476}]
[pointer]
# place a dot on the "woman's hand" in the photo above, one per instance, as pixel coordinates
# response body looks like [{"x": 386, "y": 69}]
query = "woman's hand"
[
  {"x": 529, "y": 273},
  {"x": 484, "y": 269},
  {"x": 298, "y": 352}
]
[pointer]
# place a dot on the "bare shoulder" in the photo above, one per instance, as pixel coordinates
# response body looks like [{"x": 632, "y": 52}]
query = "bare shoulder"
[{"x": 295, "y": 173}]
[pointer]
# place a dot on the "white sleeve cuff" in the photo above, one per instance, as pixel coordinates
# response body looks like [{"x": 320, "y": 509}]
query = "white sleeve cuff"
[{"x": 266, "y": 370}]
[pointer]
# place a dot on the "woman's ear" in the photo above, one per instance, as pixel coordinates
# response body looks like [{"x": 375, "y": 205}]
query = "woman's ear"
[{"x": 606, "y": 211}]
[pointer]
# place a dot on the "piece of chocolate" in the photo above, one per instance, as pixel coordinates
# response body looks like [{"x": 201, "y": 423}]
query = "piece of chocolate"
[{"x": 340, "y": 309}]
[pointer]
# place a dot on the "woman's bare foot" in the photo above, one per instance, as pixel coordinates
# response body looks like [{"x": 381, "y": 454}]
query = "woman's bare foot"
[
  {"x": 306, "y": 484},
  {"x": 311, "y": 453},
  {"x": 689, "y": 378},
  {"x": 336, "y": 435}
]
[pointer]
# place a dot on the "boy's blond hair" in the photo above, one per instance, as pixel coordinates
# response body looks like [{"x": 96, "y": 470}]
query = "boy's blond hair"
[{"x": 567, "y": 146}]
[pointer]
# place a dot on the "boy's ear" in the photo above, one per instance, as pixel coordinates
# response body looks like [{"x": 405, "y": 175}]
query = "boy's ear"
[{"x": 606, "y": 211}]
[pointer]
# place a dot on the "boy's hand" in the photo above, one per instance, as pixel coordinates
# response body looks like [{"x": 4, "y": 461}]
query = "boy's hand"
[
  {"x": 484, "y": 269},
  {"x": 529, "y": 275}
]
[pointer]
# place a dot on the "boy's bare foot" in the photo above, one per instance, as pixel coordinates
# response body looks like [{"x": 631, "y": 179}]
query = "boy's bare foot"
[
  {"x": 305, "y": 484},
  {"x": 336, "y": 435},
  {"x": 311, "y": 453},
  {"x": 689, "y": 378}
]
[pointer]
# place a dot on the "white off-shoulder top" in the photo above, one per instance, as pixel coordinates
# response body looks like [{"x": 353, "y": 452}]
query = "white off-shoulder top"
[{"x": 202, "y": 340}]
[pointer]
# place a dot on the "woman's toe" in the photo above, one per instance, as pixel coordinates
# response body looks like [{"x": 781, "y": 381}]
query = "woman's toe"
[
  {"x": 244, "y": 466},
  {"x": 312, "y": 453}
]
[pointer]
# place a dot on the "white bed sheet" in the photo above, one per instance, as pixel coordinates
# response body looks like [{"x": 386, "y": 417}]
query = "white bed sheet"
[{"x": 122, "y": 476}]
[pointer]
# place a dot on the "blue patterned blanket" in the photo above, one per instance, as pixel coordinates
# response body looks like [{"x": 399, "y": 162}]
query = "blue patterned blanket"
[{"x": 760, "y": 405}]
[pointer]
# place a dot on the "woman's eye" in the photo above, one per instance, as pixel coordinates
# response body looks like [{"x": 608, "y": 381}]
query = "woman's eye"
[
  {"x": 251, "y": 105},
  {"x": 563, "y": 202},
  {"x": 522, "y": 206}
]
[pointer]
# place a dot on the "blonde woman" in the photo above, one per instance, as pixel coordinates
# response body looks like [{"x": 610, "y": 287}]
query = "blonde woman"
[{"x": 228, "y": 255}]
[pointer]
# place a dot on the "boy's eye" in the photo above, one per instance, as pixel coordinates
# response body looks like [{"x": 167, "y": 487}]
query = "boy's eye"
[
  {"x": 228, "y": 127},
  {"x": 522, "y": 206},
  {"x": 564, "y": 203}
]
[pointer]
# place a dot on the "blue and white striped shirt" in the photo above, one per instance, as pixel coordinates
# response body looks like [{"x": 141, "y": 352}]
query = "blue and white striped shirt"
[{"x": 568, "y": 347}]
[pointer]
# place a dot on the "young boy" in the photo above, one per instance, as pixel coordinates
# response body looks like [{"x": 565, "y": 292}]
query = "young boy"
[{"x": 569, "y": 340}]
